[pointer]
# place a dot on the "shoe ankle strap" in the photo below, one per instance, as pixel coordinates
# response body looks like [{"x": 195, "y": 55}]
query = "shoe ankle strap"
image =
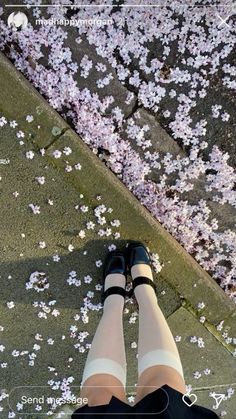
[
  {"x": 143, "y": 280},
  {"x": 113, "y": 290}
]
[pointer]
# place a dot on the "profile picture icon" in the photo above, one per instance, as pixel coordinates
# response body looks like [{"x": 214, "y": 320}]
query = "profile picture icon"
[{"x": 17, "y": 20}]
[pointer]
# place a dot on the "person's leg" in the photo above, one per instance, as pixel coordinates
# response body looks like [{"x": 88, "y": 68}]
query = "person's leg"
[
  {"x": 158, "y": 357},
  {"x": 105, "y": 368}
]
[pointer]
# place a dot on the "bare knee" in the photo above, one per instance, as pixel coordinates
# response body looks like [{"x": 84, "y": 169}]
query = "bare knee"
[
  {"x": 155, "y": 377},
  {"x": 99, "y": 389}
]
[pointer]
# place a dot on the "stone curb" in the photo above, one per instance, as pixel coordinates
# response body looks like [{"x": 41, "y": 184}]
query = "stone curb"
[{"x": 180, "y": 271}]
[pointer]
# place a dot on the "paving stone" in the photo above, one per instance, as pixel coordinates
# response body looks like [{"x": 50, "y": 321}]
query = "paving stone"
[
  {"x": 161, "y": 141},
  {"x": 115, "y": 88},
  {"x": 21, "y": 100},
  {"x": 227, "y": 329}
]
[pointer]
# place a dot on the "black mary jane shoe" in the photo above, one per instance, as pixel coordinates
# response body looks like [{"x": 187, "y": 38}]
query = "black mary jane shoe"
[
  {"x": 136, "y": 253},
  {"x": 115, "y": 262}
]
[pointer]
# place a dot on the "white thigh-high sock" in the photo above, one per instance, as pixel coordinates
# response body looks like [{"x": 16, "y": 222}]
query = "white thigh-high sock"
[
  {"x": 107, "y": 352},
  {"x": 156, "y": 345}
]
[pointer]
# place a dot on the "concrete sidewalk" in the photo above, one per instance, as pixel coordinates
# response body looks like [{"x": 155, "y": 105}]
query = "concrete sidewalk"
[{"x": 54, "y": 313}]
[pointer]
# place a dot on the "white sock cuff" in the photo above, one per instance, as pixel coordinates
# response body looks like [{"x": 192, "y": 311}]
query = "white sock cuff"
[
  {"x": 104, "y": 366},
  {"x": 160, "y": 357}
]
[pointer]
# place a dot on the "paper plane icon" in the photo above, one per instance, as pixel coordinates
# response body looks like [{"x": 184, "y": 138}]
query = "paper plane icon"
[{"x": 218, "y": 399}]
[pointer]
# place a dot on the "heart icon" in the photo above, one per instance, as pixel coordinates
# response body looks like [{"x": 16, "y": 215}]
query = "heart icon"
[{"x": 189, "y": 399}]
